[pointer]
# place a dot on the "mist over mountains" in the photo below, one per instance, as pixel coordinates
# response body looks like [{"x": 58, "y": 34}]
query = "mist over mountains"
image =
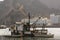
[{"x": 9, "y": 12}]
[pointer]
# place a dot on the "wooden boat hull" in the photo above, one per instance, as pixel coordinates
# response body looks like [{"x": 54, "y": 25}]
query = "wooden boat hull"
[{"x": 42, "y": 36}]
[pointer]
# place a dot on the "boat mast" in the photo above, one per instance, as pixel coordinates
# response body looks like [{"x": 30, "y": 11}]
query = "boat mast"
[{"x": 29, "y": 18}]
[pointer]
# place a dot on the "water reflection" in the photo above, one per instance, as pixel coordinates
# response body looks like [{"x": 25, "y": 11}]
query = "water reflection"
[
  {"x": 27, "y": 38},
  {"x": 34, "y": 38},
  {"x": 38, "y": 38}
]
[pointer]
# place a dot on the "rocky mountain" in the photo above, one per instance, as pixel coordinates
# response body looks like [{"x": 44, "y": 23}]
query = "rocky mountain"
[{"x": 10, "y": 13}]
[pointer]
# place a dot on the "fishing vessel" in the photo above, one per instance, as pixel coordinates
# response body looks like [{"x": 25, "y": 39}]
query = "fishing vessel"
[
  {"x": 35, "y": 33},
  {"x": 25, "y": 30}
]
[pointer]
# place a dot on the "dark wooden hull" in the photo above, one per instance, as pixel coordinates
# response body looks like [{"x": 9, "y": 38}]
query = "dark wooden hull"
[{"x": 43, "y": 36}]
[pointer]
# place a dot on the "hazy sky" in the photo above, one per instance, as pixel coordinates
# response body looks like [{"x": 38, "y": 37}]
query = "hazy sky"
[
  {"x": 52, "y": 3},
  {"x": 1, "y": 0}
]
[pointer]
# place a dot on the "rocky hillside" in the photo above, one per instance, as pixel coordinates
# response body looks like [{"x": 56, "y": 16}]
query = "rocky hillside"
[{"x": 9, "y": 12}]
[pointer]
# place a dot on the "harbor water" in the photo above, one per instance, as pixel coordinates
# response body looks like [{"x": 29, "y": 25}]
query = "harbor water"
[
  {"x": 27, "y": 38},
  {"x": 55, "y": 31}
]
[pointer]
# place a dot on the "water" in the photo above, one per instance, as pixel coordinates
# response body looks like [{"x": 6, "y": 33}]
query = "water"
[
  {"x": 38, "y": 38},
  {"x": 29, "y": 38},
  {"x": 55, "y": 31}
]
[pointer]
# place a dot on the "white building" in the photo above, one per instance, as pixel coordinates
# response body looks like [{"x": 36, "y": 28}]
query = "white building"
[
  {"x": 58, "y": 18},
  {"x": 55, "y": 19}
]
